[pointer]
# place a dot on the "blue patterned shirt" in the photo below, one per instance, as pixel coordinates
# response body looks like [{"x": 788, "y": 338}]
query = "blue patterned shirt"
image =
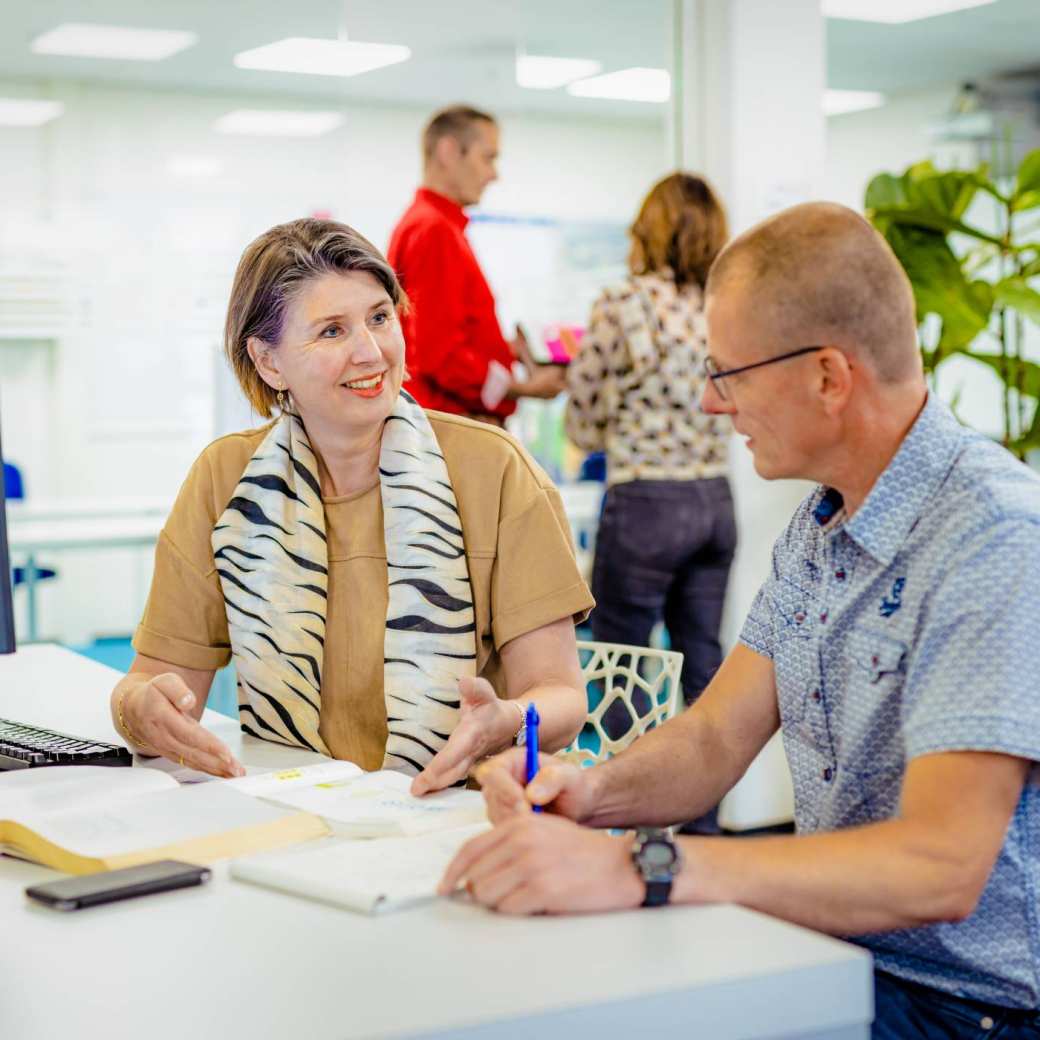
[{"x": 909, "y": 629}]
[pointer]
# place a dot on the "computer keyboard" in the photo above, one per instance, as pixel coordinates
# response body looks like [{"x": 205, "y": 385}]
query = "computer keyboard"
[{"x": 23, "y": 747}]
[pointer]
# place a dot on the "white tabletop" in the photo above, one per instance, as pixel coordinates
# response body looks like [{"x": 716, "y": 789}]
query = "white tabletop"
[
  {"x": 24, "y": 509},
  {"x": 88, "y": 532},
  {"x": 231, "y": 960}
]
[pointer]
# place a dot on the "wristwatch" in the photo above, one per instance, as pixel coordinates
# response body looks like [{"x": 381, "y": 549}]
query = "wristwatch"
[{"x": 658, "y": 859}]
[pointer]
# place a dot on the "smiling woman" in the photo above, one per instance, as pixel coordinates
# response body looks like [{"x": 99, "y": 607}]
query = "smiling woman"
[{"x": 394, "y": 586}]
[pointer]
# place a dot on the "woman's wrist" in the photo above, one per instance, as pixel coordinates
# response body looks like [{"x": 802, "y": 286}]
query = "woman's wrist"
[
  {"x": 512, "y": 716},
  {"x": 122, "y": 706}
]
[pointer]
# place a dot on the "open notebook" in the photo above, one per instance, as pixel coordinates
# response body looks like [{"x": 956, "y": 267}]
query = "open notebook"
[
  {"x": 82, "y": 819},
  {"x": 370, "y": 877},
  {"x": 365, "y": 805}
]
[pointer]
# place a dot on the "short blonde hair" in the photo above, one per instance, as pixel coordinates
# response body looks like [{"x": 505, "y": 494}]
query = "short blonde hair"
[
  {"x": 682, "y": 226},
  {"x": 273, "y": 270}
]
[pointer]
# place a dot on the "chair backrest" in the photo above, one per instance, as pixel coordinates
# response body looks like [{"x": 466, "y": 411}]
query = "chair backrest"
[
  {"x": 13, "y": 486},
  {"x": 630, "y": 689}
]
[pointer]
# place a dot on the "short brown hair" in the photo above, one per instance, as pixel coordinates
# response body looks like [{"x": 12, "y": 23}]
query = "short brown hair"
[
  {"x": 819, "y": 273},
  {"x": 273, "y": 269},
  {"x": 681, "y": 225},
  {"x": 458, "y": 121}
]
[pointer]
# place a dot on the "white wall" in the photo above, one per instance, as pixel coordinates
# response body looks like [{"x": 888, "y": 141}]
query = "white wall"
[{"x": 130, "y": 265}]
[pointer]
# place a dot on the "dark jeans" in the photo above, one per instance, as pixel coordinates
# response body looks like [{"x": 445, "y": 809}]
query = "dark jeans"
[
  {"x": 906, "y": 1011},
  {"x": 663, "y": 551}
]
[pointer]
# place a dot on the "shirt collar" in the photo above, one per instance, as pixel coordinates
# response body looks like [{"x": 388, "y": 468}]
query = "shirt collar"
[
  {"x": 900, "y": 495},
  {"x": 445, "y": 206}
]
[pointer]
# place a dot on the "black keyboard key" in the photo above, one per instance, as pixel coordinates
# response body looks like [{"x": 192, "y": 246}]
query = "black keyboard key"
[{"x": 23, "y": 746}]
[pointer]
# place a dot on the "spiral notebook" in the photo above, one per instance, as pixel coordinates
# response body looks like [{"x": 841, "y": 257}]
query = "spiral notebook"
[{"x": 369, "y": 877}]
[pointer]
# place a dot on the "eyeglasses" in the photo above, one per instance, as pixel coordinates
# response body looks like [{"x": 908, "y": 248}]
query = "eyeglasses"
[{"x": 716, "y": 376}]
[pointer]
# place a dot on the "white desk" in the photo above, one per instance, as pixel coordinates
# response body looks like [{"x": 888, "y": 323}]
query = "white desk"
[
  {"x": 29, "y": 535},
  {"x": 120, "y": 507},
  {"x": 232, "y": 960}
]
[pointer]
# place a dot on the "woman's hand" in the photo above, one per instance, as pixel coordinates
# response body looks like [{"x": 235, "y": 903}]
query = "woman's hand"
[
  {"x": 486, "y": 724},
  {"x": 559, "y": 787},
  {"x": 155, "y": 714}
]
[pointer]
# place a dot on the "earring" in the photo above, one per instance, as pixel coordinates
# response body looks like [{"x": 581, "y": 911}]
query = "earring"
[{"x": 281, "y": 401}]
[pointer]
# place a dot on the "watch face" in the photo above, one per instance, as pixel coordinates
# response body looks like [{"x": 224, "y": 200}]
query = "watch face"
[{"x": 657, "y": 855}]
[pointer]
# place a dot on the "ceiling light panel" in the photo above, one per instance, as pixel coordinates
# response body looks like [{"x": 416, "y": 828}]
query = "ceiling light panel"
[
  {"x": 254, "y": 122},
  {"x": 28, "y": 111},
  {"x": 636, "y": 84},
  {"x": 538, "y": 72},
  {"x": 895, "y": 12},
  {"x": 839, "y": 102},
  {"x": 82, "y": 40},
  {"x": 302, "y": 54}
]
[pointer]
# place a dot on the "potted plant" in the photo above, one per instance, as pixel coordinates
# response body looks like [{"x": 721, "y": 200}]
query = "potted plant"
[{"x": 975, "y": 286}]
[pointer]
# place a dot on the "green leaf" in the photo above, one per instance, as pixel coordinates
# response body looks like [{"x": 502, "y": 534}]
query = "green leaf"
[
  {"x": 1014, "y": 293},
  {"x": 1032, "y": 268},
  {"x": 924, "y": 217},
  {"x": 940, "y": 286},
  {"x": 1027, "y": 183},
  {"x": 947, "y": 193},
  {"x": 885, "y": 190}
]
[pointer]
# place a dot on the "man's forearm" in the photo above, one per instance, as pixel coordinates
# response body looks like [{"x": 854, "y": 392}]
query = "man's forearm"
[
  {"x": 674, "y": 773},
  {"x": 680, "y": 770},
  {"x": 864, "y": 879}
]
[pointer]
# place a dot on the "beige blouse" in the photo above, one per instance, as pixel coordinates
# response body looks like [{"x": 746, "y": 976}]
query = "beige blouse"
[
  {"x": 518, "y": 550},
  {"x": 635, "y": 386}
]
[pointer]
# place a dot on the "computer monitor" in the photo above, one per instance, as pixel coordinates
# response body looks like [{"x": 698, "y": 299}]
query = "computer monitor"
[{"x": 6, "y": 602}]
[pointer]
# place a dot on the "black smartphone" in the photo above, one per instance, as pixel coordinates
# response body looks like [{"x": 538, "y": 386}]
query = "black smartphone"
[{"x": 74, "y": 893}]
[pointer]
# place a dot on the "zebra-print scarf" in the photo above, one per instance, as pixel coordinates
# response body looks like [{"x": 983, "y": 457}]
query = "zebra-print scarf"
[{"x": 271, "y": 553}]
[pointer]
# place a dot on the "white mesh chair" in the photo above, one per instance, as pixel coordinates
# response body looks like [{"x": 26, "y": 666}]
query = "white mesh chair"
[{"x": 630, "y": 689}]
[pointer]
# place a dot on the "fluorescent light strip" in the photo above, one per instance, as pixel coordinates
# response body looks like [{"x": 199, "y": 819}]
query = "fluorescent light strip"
[
  {"x": 538, "y": 72},
  {"x": 267, "y": 123},
  {"x": 636, "y": 84},
  {"x": 82, "y": 40},
  {"x": 28, "y": 111},
  {"x": 313, "y": 57},
  {"x": 895, "y": 12},
  {"x": 840, "y": 102}
]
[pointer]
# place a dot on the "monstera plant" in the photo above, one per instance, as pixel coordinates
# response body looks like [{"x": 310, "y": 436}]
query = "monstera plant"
[{"x": 975, "y": 275}]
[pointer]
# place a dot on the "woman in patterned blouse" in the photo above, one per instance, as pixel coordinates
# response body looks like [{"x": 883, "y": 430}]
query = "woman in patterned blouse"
[{"x": 667, "y": 535}]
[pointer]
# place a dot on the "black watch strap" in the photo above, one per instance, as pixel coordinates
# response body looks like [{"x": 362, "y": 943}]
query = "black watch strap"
[{"x": 657, "y": 892}]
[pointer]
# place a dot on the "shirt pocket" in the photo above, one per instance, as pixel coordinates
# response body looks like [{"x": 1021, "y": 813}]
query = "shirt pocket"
[
  {"x": 871, "y": 750},
  {"x": 877, "y": 658}
]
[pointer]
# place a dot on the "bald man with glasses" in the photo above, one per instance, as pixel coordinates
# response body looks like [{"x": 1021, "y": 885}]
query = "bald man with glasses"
[{"x": 893, "y": 644}]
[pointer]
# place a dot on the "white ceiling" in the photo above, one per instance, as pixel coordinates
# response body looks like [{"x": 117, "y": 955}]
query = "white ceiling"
[{"x": 464, "y": 49}]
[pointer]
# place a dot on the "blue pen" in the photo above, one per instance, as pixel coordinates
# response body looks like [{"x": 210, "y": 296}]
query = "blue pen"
[{"x": 531, "y": 721}]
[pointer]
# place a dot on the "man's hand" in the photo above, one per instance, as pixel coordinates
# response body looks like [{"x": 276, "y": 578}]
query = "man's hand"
[
  {"x": 486, "y": 724},
  {"x": 544, "y": 864},
  {"x": 521, "y": 346},
  {"x": 156, "y": 711},
  {"x": 559, "y": 787},
  {"x": 544, "y": 381}
]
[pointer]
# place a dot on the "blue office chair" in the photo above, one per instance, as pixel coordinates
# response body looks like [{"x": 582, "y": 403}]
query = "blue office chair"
[{"x": 14, "y": 487}]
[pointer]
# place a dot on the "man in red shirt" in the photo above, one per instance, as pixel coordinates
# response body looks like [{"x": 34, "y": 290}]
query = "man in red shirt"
[{"x": 457, "y": 358}]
